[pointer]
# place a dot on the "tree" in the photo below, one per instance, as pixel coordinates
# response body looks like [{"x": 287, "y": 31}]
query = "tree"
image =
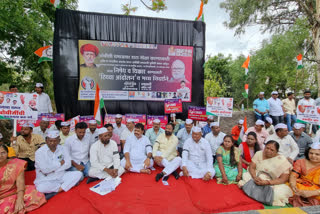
[
  {"x": 154, "y": 5},
  {"x": 278, "y": 16}
]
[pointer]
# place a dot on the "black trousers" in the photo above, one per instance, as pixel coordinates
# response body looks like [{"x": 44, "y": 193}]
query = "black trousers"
[{"x": 30, "y": 164}]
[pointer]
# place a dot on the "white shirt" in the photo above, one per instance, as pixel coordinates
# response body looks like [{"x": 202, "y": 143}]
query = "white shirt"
[
  {"x": 288, "y": 147},
  {"x": 305, "y": 102},
  {"x": 94, "y": 137},
  {"x": 183, "y": 135},
  {"x": 198, "y": 153},
  {"x": 104, "y": 156},
  {"x": 137, "y": 148},
  {"x": 78, "y": 149},
  {"x": 118, "y": 130},
  {"x": 44, "y": 103},
  {"x": 215, "y": 141},
  {"x": 126, "y": 133},
  {"x": 275, "y": 107},
  {"x": 37, "y": 130},
  {"x": 47, "y": 163}
]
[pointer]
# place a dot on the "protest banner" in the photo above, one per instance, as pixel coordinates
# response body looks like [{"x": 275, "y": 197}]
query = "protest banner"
[
  {"x": 73, "y": 121},
  {"x": 309, "y": 114},
  {"x": 111, "y": 118},
  {"x": 197, "y": 113},
  {"x": 138, "y": 118},
  {"x": 219, "y": 106},
  {"x": 87, "y": 118},
  {"x": 163, "y": 120},
  {"x": 52, "y": 119},
  {"x": 133, "y": 71},
  {"x": 20, "y": 106},
  {"x": 172, "y": 106}
]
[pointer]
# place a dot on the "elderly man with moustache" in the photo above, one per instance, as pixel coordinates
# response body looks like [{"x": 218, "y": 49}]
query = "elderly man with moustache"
[
  {"x": 215, "y": 138},
  {"x": 42, "y": 129},
  {"x": 184, "y": 133},
  {"x": 261, "y": 132},
  {"x": 154, "y": 132}
]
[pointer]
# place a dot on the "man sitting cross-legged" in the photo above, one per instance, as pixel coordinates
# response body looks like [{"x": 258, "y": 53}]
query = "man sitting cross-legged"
[
  {"x": 104, "y": 157},
  {"x": 165, "y": 153},
  {"x": 51, "y": 162},
  {"x": 137, "y": 152}
]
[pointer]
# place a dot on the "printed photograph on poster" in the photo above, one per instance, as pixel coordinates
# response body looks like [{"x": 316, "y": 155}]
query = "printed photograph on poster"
[
  {"x": 163, "y": 120},
  {"x": 87, "y": 118},
  {"x": 309, "y": 114},
  {"x": 197, "y": 113},
  {"x": 133, "y": 71},
  {"x": 111, "y": 118},
  {"x": 138, "y": 118},
  {"x": 172, "y": 106},
  {"x": 52, "y": 119},
  {"x": 23, "y": 106},
  {"x": 219, "y": 106}
]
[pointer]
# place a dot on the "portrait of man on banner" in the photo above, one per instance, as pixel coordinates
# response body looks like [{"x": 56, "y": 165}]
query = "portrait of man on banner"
[{"x": 89, "y": 52}]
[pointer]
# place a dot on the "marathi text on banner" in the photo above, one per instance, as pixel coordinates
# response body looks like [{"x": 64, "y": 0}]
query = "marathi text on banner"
[
  {"x": 132, "y": 71},
  {"x": 51, "y": 118},
  {"x": 309, "y": 114},
  {"x": 21, "y": 106},
  {"x": 172, "y": 106},
  {"x": 197, "y": 113},
  {"x": 219, "y": 106},
  {"x": 163, "y": 120}
]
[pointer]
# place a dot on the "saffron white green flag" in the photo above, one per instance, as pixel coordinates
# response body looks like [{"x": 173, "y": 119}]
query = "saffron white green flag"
[
  {"x": 56, "y": 3},
  {"x": 299, "y": 60},
  {"x": 246, "y": 65},
  {"x": 98, "y": 105},
  {"x": 45, "y": 53}
]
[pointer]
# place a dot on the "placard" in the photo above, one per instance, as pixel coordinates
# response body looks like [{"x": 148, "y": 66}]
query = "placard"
[
  {"x": 52, "y": 119},
  {"x": 197, "y": 113},
  {"x": 219, "y": 106},
  {"x": 111, "y": 118},
  {"x": 87, "y": 118},
  {"x": 172, "y": 106},
  {"x": 309, "y": 114},
  {"x": 163, "y": 120},
  {"x": 138, "y": 118}
]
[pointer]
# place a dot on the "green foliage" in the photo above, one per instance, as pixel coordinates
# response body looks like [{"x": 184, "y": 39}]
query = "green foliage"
[
  {"x": 154, "y": 5},
  {"x": 26, "y": 26}
]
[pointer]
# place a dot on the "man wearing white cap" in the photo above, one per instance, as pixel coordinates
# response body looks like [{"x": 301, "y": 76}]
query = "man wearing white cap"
[
  {"x": 154, "y": 132},
  {"x": 261, "y": 132},
  {"x": 178, "y": 123},
  {"x": 269, "y": 127},
  {"x": 44, "y": 102},
  {"x": 127, "y": 131},
  {"x": 52, "y": 161},
  {"x": 261, "y": 107},
  {"x": 207, "y": 128},
  {"x": 184, "y": 134},
  {"x": 65, "y": 132},
  {"x": 235, "y": 131},
  {"x": 215, "y": 138},
  {"x": 42, "y": 129},
  {"x": 276, "y": 108},
  {"x": 197, "y": 157},
  {"x": 165, "y": 153},
  {"x": 104, "y": 157},
  {"x": 119, "y": 127},
  {"x": 288, "y": 147},
  {"x": 11, "y": 152},
  {"x": 137, "y": 152},
  {"x": 78, "y": 146},
  {"x": 302, "y": 139},
  {"x": 27, "y": 144},
  {"x": 92, "y": 131}
]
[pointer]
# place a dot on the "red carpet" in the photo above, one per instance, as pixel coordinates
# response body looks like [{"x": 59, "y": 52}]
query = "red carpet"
[{"x": 141, "y": 194}]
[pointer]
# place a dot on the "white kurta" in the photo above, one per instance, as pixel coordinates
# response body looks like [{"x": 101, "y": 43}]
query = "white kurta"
[
  {"x": 44, "y": 103},
  {"x": 37, "y": 130},
  {"x": 78, "y": 149},
  {"x": 288, "y": 147},
  {"x": 183, "y": 135},
  {"x": 94, "y": 137},
  {"x": 126, "y": 133},
  {"x": 104, "y": 156},
  {"x": 215, "y": 141},
  {"x": 197, "y": 157},
  {"x": 138, "y": 150},
  {"x": 118, "y": 130},
  {"x": 50, "y": 174}
]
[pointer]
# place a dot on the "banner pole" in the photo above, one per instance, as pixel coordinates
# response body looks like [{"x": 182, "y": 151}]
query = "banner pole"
[
  {"x": 310, "y": 131},
  {"x": 14, "y": 134},
  {"x": 219, "y": 119}
]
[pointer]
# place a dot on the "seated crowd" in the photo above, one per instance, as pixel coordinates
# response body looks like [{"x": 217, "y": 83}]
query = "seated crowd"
[{"x": 271, "y": 166}]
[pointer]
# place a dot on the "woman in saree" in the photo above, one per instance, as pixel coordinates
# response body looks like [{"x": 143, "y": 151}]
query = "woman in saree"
[
  {"x": 305, "y": 175},
  {"x": 268, "y": 168},
  {"x": 228, "y": 166},
  {"x": 248, "y": 149},
  {"x": 15, "y": 196}
]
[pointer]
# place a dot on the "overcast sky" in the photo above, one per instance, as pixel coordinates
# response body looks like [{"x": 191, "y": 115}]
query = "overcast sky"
[{"x": 219, "y": 39}]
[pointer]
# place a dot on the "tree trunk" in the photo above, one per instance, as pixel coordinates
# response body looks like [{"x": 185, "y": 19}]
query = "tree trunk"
[{"x": 315, "y": 35}]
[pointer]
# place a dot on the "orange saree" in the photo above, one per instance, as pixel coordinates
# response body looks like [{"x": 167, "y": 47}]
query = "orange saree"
[{"x": 8, "y": 176}]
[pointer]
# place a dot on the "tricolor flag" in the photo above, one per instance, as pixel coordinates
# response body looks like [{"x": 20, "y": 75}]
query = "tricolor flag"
[
  {"x": 246, "y": 65},
  {"x": 56, "y": 3},
  {"x": 243, "y": 130},
  {"x": 299, "y": 60},
  {"x": 246, "y": 87},
  {"x": 98, "y": 105},
  {"x": 45, "y": 53},
  {"x": 200, "y": 15}
]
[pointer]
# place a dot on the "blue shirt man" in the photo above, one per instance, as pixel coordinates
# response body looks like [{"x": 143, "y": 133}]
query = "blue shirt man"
[{"x": 261, "y": 107}]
